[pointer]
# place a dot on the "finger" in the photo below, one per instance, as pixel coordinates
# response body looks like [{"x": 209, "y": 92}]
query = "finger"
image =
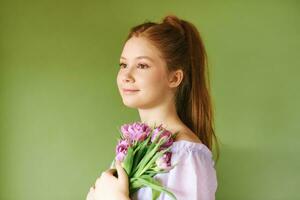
[
  {"x": 122, "y": 175},
  {"x": 90, "y": 195},
  {"x": 110, "y": 171},
  {"x": 98, "y": 181},
  {"x": 104, "y": 177}
]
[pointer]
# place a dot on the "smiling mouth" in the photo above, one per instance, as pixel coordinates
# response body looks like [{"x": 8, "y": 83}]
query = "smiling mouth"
[{"x": 129, "y": 91}]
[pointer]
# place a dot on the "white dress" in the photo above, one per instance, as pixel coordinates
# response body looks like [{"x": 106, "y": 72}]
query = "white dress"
[{"x": 193, "y": 178}]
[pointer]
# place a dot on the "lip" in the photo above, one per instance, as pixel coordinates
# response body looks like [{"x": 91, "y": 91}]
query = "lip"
[{"x": 129, "y": 90}]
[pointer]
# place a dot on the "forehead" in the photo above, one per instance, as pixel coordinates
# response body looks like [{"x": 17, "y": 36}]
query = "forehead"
[{"x": 139, "y": 47}]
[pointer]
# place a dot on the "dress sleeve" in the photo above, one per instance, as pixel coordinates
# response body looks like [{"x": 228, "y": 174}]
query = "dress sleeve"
[{"x": 194, "y": 177}]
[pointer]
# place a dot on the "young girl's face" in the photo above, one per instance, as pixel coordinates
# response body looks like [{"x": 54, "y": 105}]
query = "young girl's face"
[{"x": 142, "y": 78}]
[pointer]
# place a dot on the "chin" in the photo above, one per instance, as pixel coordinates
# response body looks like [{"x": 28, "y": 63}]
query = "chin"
[
  {"x": 131, "y": 103},
  {"x": 139, "y": 104},
  {"x": 131, "y": 106},
  {"x": 140, "y": 101},
  {"x": 134, "y": 103}
]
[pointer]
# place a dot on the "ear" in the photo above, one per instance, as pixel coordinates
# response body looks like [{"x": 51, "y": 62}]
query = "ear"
[{"x": 175, "y": 78}]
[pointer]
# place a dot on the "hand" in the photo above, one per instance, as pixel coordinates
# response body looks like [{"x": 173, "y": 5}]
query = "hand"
[{"x": 108, "y": 187}]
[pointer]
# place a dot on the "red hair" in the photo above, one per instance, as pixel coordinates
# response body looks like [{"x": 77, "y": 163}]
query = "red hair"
[{"x": 181, "y": 46}]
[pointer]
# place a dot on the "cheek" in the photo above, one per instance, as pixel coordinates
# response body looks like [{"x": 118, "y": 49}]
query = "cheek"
[
  {"x": 156, "y": 83},
  {"x": 118, "y": 79}
]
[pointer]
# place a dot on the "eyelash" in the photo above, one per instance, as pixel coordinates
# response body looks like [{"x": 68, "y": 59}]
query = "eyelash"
[{"x": 145, "y": 65}]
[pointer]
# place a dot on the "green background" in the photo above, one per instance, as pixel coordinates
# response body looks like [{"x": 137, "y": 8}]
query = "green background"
[{"x": 60, "y": 109}]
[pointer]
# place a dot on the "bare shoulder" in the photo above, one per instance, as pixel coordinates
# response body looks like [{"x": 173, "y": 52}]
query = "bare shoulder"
[{"x": 188, "y": 135}]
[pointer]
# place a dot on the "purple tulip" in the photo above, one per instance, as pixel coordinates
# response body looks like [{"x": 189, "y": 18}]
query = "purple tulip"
[
  {"x": 167, "y": 135},
  {"x": 164, "y": 162},
  {"x": 121, "y": 150},
  {"x": 135, "y": 132}
]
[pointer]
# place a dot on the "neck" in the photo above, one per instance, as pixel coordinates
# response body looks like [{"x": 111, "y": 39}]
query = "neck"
[{"x": 164, "y": 114}]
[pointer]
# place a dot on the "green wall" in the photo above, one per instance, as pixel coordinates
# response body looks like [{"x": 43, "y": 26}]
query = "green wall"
[{"x": 60, "y": 109}]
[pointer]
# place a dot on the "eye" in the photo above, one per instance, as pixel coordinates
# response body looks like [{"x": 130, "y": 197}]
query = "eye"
[
  {"x": 143, "y": 66},
  {"x": 122, "y": 64}
]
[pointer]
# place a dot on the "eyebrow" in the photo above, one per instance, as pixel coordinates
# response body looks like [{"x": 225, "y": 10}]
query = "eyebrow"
[{"x": 140, "y": 57}]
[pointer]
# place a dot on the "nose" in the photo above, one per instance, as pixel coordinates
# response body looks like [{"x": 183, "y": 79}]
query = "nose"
[{"x": 128, "y": 77}]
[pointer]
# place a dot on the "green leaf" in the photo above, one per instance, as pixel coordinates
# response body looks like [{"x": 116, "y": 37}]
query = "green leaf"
[
  {"x": 128, "y": 161},
  {"x": 142, "y": 149},
  {"x": 155, "y": 185},
  {"x": 155, "y": 194},
  {"x": 134, "y": 185},
  {"x": 149, "y": 164},
  {"x": 145, "y": 160}
]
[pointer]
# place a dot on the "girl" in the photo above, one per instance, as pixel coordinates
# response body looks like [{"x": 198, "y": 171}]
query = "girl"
[{"x": 163, "y": 73}]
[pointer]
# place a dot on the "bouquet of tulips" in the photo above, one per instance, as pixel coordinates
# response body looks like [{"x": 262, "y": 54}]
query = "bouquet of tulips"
[{"x": 144, "y": 151}]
